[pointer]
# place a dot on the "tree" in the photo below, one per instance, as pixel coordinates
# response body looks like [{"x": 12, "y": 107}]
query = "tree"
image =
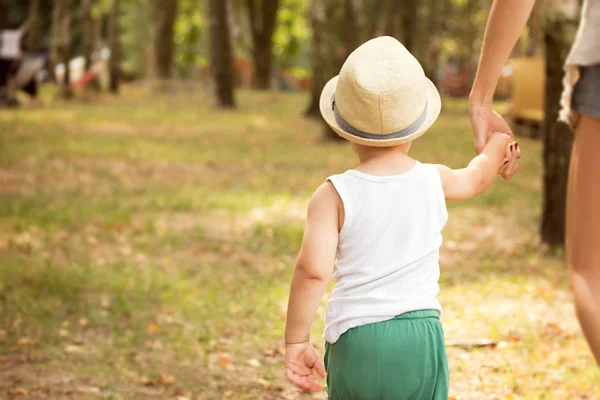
[
  {"x": 115, "y": 48},
  {"x": 33, "y": 31},
  {"x": 164, "y": 13},
  {"x": 409, "y": 14},
  {"x": 349, "y": 29},
  {"x": 61, "y": 42},
  {"x": 390, "y": 27},
  {"x": 561, "y": 23},
  {"x": 262, "y": 15},
  {"x": 221, "y": 53},
  {"x": 432, "y": 36},
  {"x": 319, "y": 77},
  {"x": 335, "y": 36},
  {"x": 87, "y": 32}
]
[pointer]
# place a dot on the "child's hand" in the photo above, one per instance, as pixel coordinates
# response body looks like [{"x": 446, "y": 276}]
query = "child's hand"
[
  {"x": 510, "y": 165},
  {"x": 300, "y": 361}
]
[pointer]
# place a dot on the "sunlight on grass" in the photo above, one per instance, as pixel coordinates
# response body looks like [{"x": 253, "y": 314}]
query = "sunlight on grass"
[{"x": 147, "y": 242}]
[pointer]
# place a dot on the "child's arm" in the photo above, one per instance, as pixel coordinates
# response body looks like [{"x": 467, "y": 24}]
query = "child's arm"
[
  {"x": 466, "y": 183},
  {"x": 313, "y": 271}
]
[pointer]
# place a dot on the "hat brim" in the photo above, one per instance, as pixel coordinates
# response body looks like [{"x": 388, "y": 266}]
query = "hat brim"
[{"x": 434, "y": 106}]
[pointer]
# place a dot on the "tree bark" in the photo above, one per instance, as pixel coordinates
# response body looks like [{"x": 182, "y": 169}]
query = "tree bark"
[
  {"x": 33, "y": 33},
  {"x": 262, "y": 16},
  {"x": 61, "y": 42},
  {"x": 165, "y": 13},
  {"x": 410, "y": 18},
  {"x": 221, "y": 53},
  {"x": 87, "y": 30},
  {"x": 319, "y": 73},
  {"x": 115, "y": 48},
  {"x": 438, "y": 13},
  {"x": 561, "y": 23},
  {"x": 390, "y": 27},
  {"x": 349, "y": 29}
]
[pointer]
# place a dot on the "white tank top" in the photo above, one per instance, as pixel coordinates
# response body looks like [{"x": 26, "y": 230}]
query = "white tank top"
[{"x": 388, "y": 253}]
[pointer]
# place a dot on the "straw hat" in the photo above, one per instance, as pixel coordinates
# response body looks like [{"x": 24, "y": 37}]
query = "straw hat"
[{"x": 381, "y": 96}]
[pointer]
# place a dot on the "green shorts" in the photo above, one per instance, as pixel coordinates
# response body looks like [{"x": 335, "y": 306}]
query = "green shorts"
[{"x": 399, "y": 359}]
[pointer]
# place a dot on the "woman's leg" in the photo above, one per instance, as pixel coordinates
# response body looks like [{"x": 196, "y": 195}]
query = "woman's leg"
[{"x": 583, "y": 229}]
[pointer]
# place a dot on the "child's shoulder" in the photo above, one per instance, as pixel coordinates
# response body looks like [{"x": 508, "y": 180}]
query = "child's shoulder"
[{"x": 326, "y": 194}]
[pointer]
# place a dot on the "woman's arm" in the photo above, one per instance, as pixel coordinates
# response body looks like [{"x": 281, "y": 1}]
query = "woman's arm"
[
  {"x": 313, "y": 271},
  {"x": 504, "y": 26}
]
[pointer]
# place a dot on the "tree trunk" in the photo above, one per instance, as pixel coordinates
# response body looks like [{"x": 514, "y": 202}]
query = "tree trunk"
[
  {"x": 410, "y": 18},
  {"x": 326, "y": 56},
  {"x": 165, "y": 13},
  {"x": 438, "y": 14},
  {"x": 115, "y": 48},
  {"x": 561, "y": 22},
  {"x": 390, "y": 27},
  {"x": 319, "y": 77},
  {"x": 262, "y": 17},
  {"x": 33, "y": 33},
  {"x": 61, "y": 42},
  {"x": 87, "y": 32},
  {"x": 349, "y": 29},
  {"x": 221, "y": 53}
]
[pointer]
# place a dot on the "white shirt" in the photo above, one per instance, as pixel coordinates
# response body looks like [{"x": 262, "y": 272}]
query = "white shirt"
[
  {"x": 388, "y": 253},
  {"x": 10, "y": 44}
]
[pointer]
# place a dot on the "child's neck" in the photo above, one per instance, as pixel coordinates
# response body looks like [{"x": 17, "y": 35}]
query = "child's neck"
[{"x": 384, "y": 160}]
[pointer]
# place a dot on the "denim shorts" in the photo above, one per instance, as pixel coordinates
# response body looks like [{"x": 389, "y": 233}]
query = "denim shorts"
[{"x": 586, "y": 93}]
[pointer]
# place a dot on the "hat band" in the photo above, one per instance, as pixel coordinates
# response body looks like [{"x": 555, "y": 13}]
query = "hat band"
[{"x": 347, "y": 127}]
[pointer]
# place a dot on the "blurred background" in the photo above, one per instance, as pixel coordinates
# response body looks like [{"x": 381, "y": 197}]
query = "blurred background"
[{"x": 156, "y": 160}]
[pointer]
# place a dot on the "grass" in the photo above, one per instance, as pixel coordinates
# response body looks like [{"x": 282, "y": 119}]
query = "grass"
[{"x": 147, "y": 241}]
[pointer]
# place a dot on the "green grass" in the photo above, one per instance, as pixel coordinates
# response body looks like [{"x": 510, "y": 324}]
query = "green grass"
[{"x": 147, "y": 241}]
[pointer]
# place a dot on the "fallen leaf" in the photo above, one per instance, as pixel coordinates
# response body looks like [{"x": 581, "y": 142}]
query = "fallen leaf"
[
  {"x": 264, "y": 383},
  {"x": 552, "y": 329},
  {"x": 63, "y": 333},
  {"x": 514, "y": 336},
  {"x": 153, "y": 327},
  {"x": 166, "y": 379},
  {"x": 144, "y": 380},
  {"x": 271, "y": 352},
  {"x": 3, "y": 334},
  {"x": 18, "y": 391},
  {"x": 105, "y": 301},
  {"x": 225, "y": 360},
  {"x": 83, "y": 321},
  {"x": 253, "y": 362},
  {"x": 71, "y": 348},
  {"x": 24, "y": 341}
]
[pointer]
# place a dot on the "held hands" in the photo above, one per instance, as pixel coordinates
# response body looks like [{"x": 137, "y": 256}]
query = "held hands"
[
  {"x": 503, "y": 143},
  {"x": 484, "y": 121},
  {"x": 300, "y": 361},
  {"x": 510, "y": 165}
]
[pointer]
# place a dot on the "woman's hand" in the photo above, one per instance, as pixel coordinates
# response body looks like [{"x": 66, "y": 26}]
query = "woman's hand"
[
  {"x": 485, "y": 121},
  {"x": 300, "y": 361}
]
